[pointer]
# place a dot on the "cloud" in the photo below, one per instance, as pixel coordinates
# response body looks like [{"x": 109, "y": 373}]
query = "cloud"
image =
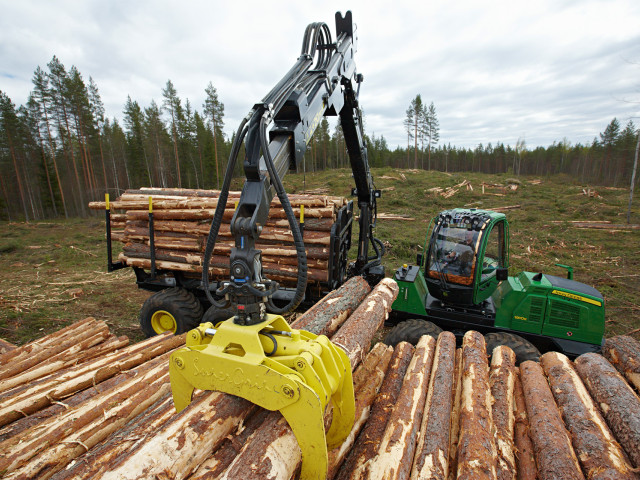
[{"x": 495, "y": 70}]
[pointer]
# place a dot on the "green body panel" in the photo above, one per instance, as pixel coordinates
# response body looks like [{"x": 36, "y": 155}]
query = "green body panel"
[
  {"x": 527, "y": 304},
  {"x": 411, "y": 295}
]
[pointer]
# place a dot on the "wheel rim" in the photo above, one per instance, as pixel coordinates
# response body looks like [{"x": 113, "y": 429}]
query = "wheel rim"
[{"x": 162, "y": 321}]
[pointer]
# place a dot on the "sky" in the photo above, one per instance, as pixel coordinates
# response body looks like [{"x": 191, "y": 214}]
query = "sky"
[{"x": 496, "y": 71}]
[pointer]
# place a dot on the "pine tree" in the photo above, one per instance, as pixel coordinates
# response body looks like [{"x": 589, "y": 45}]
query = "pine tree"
[
  {"x": 9, "y": 128},
  {"x": 214, "y": 112},
  {"x": 172, "y": 105},
  {"x": 433, "y": 130}
]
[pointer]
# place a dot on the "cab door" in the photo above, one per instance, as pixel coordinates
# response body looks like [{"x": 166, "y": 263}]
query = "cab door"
[{"x": 493, "y": 254}]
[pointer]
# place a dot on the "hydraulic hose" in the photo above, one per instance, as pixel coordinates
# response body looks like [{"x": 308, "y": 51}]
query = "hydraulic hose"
[{"x": 222, "y": 203}]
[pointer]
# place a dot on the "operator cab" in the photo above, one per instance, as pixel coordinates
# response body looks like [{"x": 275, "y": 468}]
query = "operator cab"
[{"x": 467, "y": 256}]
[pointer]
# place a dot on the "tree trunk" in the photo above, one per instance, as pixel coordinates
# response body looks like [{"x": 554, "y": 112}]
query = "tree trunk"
[
  {"x": 600, "y": 456},
  {"x": 432, "y": 453},
  {"x": 633, "y": 178},
  {"x": 370, "y": 437},
  {"x": 366, "y": 386},
  {"x": 476, "y": 446},
  {"x": 455, "y": 416},
  {"x": 503, "y": 366},
  {"x": 525, "y": 459},
  {"x": 618, "y": 402},
  {"x": 624, "y": 353},
  {"x": 551, "y": 443},
  {"x": 397, "y": 447}
]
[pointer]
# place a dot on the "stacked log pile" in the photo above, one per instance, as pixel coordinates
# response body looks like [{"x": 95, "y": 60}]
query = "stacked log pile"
[
  {"x": 429, "y": 412},
  {"x": 182, "y": 219}
]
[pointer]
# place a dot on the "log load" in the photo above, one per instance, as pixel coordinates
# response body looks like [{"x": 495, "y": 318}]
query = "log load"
[
  {"x": 525, "y": 460},
  {"x": 476, "y": 446},
  {"x": 432, "y": 454},
  {"x": 370, "y": 437},
  {"x": 125, "y": 427},
  {"x": 624, "y": 353},
  {"x": 554, "y": 453},
  {"x": 502, "y": 378},
  {"x": 395, "y": 454},
  {"x": 618, "y": 403},
  {"x": 182, "y": 220},
  {"x": 600, "y": 455}
]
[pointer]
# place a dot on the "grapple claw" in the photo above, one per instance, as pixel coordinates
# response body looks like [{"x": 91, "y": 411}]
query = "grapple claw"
[{"x": 301, "y": 374}]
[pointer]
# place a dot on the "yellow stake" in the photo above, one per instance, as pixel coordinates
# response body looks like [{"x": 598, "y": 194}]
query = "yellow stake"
[
  {"x": 150, "y": 205},
  {"x": 106, "y": 200},
  {"x": 301, "y": 213}
]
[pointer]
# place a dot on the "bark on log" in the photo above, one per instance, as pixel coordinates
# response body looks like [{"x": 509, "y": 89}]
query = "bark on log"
[
  {"x": 503, "y": 366},
  {"x": 619, "y": 404},
  {"x": 16, "y": 451},
  {"x": 525, "y": 459},
  {"x": 397, "y": 448},
  {"x": 214, "y": 466},
  {"x": 283, "y": 274},
  {"x": 84, "y": 350},
  {"x": 554, "y": 454},
  {"x": 83, "y": 376},
  {"x": 367, "y": 382},
  {"x": 6, "y": 346},
  {"x": 110, "y": 413},
  {"x": 432, "y": 453},
  {"x": 455, "y": 417},
  {"x": 600, "y": 455},
  {"x": 16, "y": 428},
  {"x": 326, "y": 316},
  {"x": 624, "y": 353},
  {"x": 367, "y": 443},
  {"x": 356, "y": 333},
  {"x": 124, "y": 440},
  {"x": 27, "y": 351},
  {"x": 476, "y": 446}
]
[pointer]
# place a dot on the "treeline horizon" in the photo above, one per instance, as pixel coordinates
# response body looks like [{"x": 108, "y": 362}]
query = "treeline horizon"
[{"x": 59, "y": 151}]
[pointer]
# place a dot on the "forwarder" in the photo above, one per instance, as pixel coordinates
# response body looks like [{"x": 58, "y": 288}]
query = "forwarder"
[{"x": 462, "y": 283}]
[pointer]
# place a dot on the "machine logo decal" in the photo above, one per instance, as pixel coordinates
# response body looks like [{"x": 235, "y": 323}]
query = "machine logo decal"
[{"x": 577, "y": 297}]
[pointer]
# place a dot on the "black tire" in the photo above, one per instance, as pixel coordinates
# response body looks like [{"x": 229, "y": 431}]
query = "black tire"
[
  {"x": 215, "y": 315},
  {"x": 173, "y": 309},
  {"x": 523, "y": 349},
  {"x": 410, "y": 331}
]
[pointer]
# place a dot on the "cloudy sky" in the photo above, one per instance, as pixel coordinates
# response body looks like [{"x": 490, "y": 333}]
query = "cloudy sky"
[{"x": 541, "y": 70}]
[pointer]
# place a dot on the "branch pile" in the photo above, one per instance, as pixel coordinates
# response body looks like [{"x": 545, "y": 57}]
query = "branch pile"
[
  {"x": 182, "y": 219},
  {"x": 429, "y": 412}
]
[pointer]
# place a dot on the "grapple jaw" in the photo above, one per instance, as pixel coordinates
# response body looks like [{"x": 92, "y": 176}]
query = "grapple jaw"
[{"x": 298, "y": 375}]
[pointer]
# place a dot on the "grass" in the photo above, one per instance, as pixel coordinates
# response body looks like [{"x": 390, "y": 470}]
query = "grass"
[{"x": 54, "y": 273}]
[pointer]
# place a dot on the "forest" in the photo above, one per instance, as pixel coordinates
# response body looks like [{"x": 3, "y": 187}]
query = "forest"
[{"x": 60, "y": 150}]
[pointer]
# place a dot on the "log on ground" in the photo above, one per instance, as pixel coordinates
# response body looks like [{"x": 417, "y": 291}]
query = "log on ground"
[
  {"x": 618, "y": 403},
  {"x": 476, "y": 446},
  {"x": 600, "y": 455},
  {"x": 367, "y": 443},
  {"x": 397, "y": 448},
  {"x": 525, "y": 460},
  {"x": 503, "y": 366},
  {"x": 624, "y": 353},
  {"x": 432, "y": 453},
  {"x": 552, "y": 447}
]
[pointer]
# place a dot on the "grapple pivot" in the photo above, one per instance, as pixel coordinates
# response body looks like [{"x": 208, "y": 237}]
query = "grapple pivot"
[{"x": 277, "y": 368}]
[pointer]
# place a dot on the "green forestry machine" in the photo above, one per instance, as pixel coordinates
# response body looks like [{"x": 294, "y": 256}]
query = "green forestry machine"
[{"x": 461, "y": 282}]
